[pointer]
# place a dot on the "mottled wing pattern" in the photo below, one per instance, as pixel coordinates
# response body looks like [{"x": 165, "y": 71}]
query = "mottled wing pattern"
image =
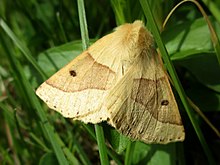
[{"x": 142, "y": 105}]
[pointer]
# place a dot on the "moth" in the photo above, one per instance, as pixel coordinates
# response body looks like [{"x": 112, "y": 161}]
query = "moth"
[{"x": 119, "y": 79}]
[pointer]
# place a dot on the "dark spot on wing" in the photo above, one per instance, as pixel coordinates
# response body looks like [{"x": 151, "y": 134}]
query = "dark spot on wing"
[
  {"x": 72, "y": 73},
  {"x": 164, "y": 102}
]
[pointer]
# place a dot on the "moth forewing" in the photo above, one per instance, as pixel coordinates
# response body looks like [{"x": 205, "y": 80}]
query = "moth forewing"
[{"x": 118, "y": 79}]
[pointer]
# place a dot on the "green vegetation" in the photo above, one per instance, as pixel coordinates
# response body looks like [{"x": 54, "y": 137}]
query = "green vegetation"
[{"x": 39, "y": 37}]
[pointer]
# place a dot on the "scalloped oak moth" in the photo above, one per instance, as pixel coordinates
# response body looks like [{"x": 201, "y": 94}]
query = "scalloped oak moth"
[{"x": 118, "y": 79}]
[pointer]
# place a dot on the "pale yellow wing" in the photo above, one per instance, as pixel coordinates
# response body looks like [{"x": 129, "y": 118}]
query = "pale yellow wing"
[
  {"x": 118, "y": 79},
  {"x": 79, "y": 89},
  {"x": 142, "y": 105}
]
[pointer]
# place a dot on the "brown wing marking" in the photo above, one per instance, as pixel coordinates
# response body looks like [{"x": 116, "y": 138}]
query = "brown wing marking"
[
  {"x": 150, "y": 113},
  {"x": 79, "y": 88},
  {"x": 81, "y": 74}
]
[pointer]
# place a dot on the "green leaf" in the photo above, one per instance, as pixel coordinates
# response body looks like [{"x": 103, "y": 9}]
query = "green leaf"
[
  {"x": 189, "y": 38},
  {"x": 55, "y": 58},
  {"x": 205, "y": 68},
  {"x": 156, "y": 154},
  {"x": 204, "y": 98},
  {"x": 48, "y": 158},
  {"x": 118, "y": 141}
]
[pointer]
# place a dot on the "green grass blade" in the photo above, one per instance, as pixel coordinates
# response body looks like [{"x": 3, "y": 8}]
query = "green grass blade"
[
  {"x": 101, "y": 143},
  {"x": 82, "y": 154},
  {"x": 61, "y": 27},
  {"x": 129, "y": 153},
  {"x": 85, "y": 42},
  {"x": 111, "y": 153},
  {"x": 83, "y": 24},
  {"x": 118, "y": 7},
  {"x": 12, "y": 139},
  {"x": 22, "y": 48},
  {"x": 177, "y": 84},
  {"x": 39, "y": 142},
  {"x": 31, "y": 98},
  {"x": 214, "y": 36},
  {"x": 214, "y": 9},
  {"x": 71, "y": 158}
]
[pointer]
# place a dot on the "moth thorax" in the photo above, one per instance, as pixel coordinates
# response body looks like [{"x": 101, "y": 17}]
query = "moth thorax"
[
  {"x": 145, "y": 39},
  {"x": 141, "y": 44}
]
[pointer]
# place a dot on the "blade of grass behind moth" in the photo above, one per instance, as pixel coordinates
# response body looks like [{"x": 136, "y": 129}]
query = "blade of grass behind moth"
[
  {"x": 83, "y": 24},
  {"x": 129, "y": 153},
  {"x": 85, "y": 41},
  {"x": 63, "y": 34},
  {"x": 9, "y": 125},
  {"x": 214, "y": 36},
  {"x": 39, "y": 142},
  {"x": 101, "y": 144},
  {"x": 117, "y": 6},
  {"x": 26, "y": 52},
  {"x": 72, "y": 159},
  {"x": 6, "y": 155},
  {"x": 173, "y": 74},
  {"x": 29, "y": 95},
  {"x": 111, "y": 153},
  {"x": 82, "y": 155},
  {"x": 13, "y": 125},
  {"x": 213, "y": 8},
  {"x": 202, "y": 115}
]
